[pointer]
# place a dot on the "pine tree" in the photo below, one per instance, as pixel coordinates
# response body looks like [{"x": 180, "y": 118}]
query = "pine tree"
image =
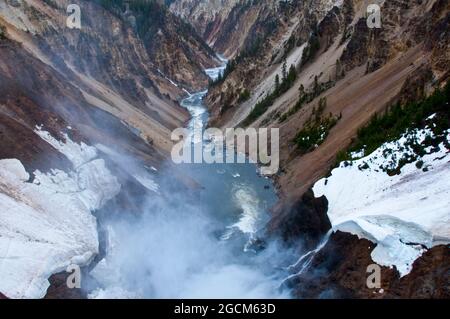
[
  {"x": 316, "y": 86},
  {"x": 2, "y": 32},
  {"x": 338, "y": 69},
  {"x": 301, "y": 91},
  {"x": 277, "y": 83},
  {"x": 284, "y": 71},
  {"x": 292, "y": 75}
]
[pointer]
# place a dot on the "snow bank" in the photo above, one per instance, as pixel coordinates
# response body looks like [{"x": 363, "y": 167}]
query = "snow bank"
[
  {"x": 47, "y": 225},
  {"x": 404, "y": 214},
  {"x": 78, "y": 154}
]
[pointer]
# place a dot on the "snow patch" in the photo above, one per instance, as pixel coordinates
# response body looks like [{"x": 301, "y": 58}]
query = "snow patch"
[
  {"x": 78, "y": 154},
  {"x": 48, "y": 224},
  {"x": 404, "y": 214}
]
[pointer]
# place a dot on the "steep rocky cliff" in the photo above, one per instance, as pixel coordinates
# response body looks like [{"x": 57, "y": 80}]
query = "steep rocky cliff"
[
  {"x": 357, "y": 70},
  {"x": 104, "y": 62},
  {"x": 339, "y": 270},
  {"x": 85, "y": 117},
  {"x": 282, "y": 31},
  {"x": 230, "y": 26},
  {"x": 344, "y": 74},
  {"x": 173, "y": 45},
  {"x": 207, "y": 17}
]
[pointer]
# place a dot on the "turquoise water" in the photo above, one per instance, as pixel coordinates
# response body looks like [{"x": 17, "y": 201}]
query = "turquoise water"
[
  {"x": 235, "y": 193},
  {"x": 198, "y": 243}
]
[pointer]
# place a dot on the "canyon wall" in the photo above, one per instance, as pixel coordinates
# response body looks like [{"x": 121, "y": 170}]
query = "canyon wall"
[
  {"x": 357, "y": 70},
  {"x": 85, "y": 120},
  {"x": 344, "y": 74}
]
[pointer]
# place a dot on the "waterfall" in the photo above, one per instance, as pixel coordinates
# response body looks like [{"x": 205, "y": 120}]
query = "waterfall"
[{"x": 305, "y": 260}]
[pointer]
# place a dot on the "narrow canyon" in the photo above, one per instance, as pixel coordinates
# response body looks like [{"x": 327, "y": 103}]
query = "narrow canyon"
[{"x": 87, "y": 180}]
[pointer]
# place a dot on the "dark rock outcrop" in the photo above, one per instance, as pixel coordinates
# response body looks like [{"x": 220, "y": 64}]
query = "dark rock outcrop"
[
  {"x": 429, "y": 278},
  {"x": 415, "y": 87},
  {"x": 355, "y": 53},
  {"x": 339, "y": 270},
  {"x": 335, "y": 22},
  {"x": 58, "y": 288},
  {"x": 306, "y": 220},
  {"x": 436, "y": 33}
]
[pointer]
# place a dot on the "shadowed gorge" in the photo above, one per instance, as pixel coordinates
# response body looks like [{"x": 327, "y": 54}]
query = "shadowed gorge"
[{"x": 89, "y": 116}]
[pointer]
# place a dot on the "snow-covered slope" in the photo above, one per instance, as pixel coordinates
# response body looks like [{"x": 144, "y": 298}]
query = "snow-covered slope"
[
  {"x": 47, "y": 224},
  {"x": 404, "y": 214}
]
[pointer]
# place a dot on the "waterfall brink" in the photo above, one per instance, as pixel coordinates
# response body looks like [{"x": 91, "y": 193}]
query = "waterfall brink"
[{"x": 303, "y": 263}]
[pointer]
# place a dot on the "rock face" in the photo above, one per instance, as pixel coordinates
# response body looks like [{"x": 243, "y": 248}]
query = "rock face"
[
  {"x": 428, "y": 279},
  {"x": 229, "y": 26},
  {"x": 339, "y": 270},
  {"x": 277, "y": 30},
  {"x": 84, "y": 73},
  {"x": 58, "y": 289},
  {"x": 207, "y": 17},
  {"x": 306, "y": 221},
  {"x": 359, "y": 71},
  {"x": 94, "y": 91},
  {"x": 174, "y": 46}
]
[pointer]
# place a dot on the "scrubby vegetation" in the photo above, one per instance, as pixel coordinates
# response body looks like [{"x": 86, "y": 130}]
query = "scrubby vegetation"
[
  {"x": 316, "y": 128},
  {"x": 281, "y": 86},
  {"x": 306, "y": 97},
  {"x": 404, "y": 120},
  {"x": 303, "y": 98},
  {"x": 231, "y": 65},
  {"x": 311, "y": 48},
  {"x": 149, "y": 14},
  {"x": 244, "y": 96},
  {"x": 2, "y": 32},
  {"x": 51, "y": 3}
]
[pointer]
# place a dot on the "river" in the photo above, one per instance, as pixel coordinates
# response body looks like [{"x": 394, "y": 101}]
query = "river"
[
  {"x": 249, "y": 195},
  {"x": 197, "y": 246}
]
